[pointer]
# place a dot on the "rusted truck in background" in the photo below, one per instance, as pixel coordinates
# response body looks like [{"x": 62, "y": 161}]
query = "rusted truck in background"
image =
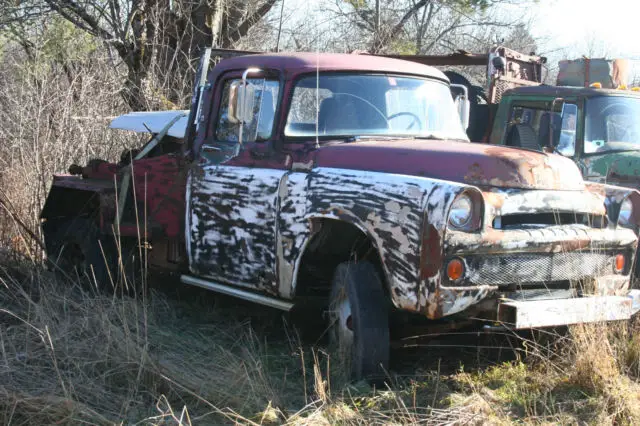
[{"x": 349, "y": 180}]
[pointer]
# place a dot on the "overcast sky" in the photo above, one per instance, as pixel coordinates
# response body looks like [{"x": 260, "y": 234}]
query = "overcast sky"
[{"x": 609, "y": 27}]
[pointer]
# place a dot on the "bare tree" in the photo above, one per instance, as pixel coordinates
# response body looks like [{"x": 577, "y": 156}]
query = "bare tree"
[
  {"x": 167, "y": 34},
  {"x": 416, "y": 26}
]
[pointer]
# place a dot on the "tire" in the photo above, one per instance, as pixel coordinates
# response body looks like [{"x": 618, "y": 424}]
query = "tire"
[
  {"x": 76, "y": 247},
  {"x": 359, "y": 321}
]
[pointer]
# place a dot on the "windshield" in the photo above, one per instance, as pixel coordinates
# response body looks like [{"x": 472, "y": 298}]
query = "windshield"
[
  {"x": 612, "y": 123},
  {"x": 348, "y": 105}
]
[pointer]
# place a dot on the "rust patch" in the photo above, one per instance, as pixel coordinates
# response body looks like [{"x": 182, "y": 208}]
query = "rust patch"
[{"x": 493, "y": 199}]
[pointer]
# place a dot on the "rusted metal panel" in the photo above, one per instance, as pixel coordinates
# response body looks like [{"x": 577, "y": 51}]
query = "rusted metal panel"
[
  {"x": 610, "y": 73},
  {"x": 159, "y": 184},
  {"x": 265, "y": 215},
  {"x": 392, "y": 210},
  {"x": 76, "y": 182}
]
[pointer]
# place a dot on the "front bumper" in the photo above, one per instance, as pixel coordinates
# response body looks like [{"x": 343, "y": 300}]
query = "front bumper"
[{"x": 558, "y": 312}]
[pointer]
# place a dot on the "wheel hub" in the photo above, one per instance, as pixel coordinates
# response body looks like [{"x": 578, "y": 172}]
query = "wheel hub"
[{"x": 344, "y": 322}]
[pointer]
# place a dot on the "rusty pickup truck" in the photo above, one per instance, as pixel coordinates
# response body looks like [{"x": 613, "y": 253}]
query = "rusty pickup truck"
[{"x": 350, "y": 179}]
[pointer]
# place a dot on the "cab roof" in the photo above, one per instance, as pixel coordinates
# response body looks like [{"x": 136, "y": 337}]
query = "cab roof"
[
  {"x": 297, "y": 63},
  {"x": 569, "y": 91}
]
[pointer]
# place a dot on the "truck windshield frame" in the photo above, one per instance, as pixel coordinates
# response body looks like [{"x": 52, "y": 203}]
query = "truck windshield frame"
[
  {"x": 347, "y": 105},
  {"x": 611, "y": 124}
]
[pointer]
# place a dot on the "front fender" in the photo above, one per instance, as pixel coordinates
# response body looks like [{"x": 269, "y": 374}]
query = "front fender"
[
  {"x": 405, "y": 217},
  {"x": 613, "y": 198}
]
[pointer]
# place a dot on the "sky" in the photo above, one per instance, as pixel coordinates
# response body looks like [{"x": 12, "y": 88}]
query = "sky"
[
  {"x": 600, "y": 27},
  {"x": 572, "y": 28},
  {"x": 568, "y": 29}
]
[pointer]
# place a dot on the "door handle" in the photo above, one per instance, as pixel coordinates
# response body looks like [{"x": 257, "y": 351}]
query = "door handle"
[{"x": 209, "y": 148}]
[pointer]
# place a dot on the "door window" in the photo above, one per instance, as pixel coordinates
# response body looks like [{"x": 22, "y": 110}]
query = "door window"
[{"x": 531, "y": 126}]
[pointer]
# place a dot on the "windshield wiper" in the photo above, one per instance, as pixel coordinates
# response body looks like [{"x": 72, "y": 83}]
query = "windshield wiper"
[
  {"x": 436, "y": 137},
  {"x": 356, "y": 138}
]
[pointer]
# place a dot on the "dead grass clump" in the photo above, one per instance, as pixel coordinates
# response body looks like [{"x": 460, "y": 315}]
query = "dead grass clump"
[
  {"x": 600, "y": 358},
  {"x": 595, "y": 362}
]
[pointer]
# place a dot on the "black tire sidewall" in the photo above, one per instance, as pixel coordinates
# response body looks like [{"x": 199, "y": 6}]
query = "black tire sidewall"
[{"x": 370, "y": 318}]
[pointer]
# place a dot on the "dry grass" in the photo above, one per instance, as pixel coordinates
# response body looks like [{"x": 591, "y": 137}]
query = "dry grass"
[{"x": 71, "y": 356}]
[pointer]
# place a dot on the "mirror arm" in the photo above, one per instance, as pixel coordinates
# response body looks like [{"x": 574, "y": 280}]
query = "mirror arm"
[{"x": 243, "y": 89}]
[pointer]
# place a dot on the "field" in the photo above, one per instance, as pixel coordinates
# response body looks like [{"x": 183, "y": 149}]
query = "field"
[{"x": 70, "y": 355}]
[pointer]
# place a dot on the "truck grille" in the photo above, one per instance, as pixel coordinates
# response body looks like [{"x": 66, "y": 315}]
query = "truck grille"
[
  {"x": 520, "y": 220},
  {"x": 537, "y": 268}
]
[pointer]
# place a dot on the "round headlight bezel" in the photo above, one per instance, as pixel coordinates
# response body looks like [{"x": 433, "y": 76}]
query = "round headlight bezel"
[{"x": 458, "y": 206}]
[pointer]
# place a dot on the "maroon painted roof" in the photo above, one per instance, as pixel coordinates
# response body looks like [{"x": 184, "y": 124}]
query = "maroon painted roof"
[{"x": 296, "y": 63}]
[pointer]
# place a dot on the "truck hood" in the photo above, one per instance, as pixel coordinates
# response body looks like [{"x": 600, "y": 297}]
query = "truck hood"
[
  {"x": 615, "y": 168},
  {"x": 471, "y": 163}
]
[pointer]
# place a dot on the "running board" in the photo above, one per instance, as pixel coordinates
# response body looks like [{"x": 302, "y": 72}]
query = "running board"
[{"x": 236, "y": 292}]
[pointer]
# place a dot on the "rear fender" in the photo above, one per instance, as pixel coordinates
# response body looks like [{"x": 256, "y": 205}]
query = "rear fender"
[{"x": 72, "y": 196}]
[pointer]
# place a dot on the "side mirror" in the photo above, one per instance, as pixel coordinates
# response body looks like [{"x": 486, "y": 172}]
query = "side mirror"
[
  {"x": 241, "y": 101},
  {"x": 463, "y": 105},
  {"x": 566, "y": 144},
  {"x": 553, "y": 130}
]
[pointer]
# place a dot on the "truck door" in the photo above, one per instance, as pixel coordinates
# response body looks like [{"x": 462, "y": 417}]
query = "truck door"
[{"x": 232, "y": 206}]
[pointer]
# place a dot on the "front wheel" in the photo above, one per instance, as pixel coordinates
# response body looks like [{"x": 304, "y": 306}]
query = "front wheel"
[{"x": 359, "y": 320}]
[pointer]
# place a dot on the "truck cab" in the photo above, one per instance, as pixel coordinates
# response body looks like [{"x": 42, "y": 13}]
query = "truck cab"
[{"x": 350, "y": 180}]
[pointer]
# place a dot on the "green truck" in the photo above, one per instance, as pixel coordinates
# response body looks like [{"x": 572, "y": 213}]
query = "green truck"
[
  {"x": 598, "y": 128},
  {"x": 590, "y": 116}
]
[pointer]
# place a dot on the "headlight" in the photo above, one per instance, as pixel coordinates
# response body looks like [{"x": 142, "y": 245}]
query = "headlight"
[
  {"x": 626, "y": 210},
  {"x": 461, "y": 212}
]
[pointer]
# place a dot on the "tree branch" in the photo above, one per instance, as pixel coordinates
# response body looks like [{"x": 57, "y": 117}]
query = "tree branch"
[
  {"x": 243, "y": 28},
  {"x": 393, "y": 33},
  {"x": 79, "y": 17}
]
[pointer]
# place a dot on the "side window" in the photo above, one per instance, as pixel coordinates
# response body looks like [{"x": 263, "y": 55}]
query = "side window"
[
  {"x": 530, "y": 126},
  {"x": 261, "y": 126},
  {"x": 523, "y": 128}
]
